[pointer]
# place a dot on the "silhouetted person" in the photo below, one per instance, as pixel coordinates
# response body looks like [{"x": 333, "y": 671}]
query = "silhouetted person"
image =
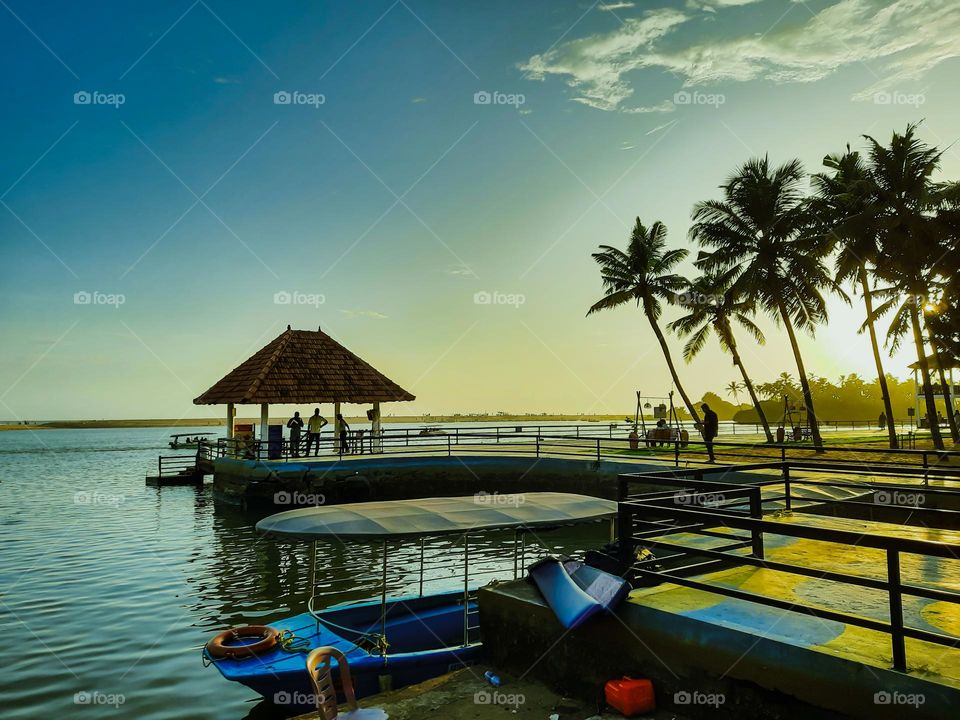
[
  {"x": 295, "y": 424},
  {"x": 711, "y": 426},
  {"x": 344, "y": 434},
  {"x": 314, "y": 426},
  {"x": 883, "y": 421}
]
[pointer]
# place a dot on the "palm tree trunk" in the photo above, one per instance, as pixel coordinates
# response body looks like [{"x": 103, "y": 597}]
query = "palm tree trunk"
[
  {"x": 947, "y": 396},
  {"x": 673, "y": 370},
  {"x": 881, "y": 376},
  {"x": 925, "y": 375},
  {"x": 753, "y": 395},
  {"x": 804, "y": 382}
]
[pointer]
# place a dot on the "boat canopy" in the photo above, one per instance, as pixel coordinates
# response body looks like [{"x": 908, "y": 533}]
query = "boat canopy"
[
  {"x": 192, "y": 434},
  {"x": 437, "y": 516}
]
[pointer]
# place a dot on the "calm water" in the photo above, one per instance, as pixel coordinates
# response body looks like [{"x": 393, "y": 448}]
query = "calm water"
[{"x": 110, "y": 588}]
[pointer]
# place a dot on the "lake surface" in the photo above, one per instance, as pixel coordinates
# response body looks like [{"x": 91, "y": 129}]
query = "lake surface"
[{"x": 110, "y": 588}]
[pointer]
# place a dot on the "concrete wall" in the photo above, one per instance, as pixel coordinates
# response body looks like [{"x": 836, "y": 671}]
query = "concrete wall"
[
  {"x": 256, "y": 484},
  {"x": 758, "y": 677}
]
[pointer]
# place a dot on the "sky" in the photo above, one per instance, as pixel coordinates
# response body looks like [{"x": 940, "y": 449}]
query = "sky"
[{"x": 423, "y": 180}]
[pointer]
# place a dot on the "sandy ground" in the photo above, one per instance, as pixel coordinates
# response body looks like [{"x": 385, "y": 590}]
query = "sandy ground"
[{"x": 466, "y": 695}]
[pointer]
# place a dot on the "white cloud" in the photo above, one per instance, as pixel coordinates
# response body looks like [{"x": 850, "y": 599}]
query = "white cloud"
[
  {"x": 897, "y": 40},
  {"x": 365, "y": 313},
  {"x": 610, "y": 7}
]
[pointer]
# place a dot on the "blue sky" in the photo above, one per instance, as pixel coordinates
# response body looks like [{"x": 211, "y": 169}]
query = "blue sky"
[{"x": 399, "y": 197}]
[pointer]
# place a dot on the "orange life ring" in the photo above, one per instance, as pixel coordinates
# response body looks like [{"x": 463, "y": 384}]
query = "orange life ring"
[{"x": 218, "y": 649}]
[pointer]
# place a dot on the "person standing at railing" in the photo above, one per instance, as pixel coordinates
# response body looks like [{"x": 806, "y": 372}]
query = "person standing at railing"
[
  {"x": 883, "y": 420},
  {"x": 711, "y": 427},
  {"x": 314, "y": 426},
  {"x": 295, "y": 424},
  {"x": 344, "y": 434}
]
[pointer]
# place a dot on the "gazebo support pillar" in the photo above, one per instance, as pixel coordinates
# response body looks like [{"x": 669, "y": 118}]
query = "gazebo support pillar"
[
  {"x": 376, "y": 445},
  {"x": 229, "y": 421},
  {"x": 264, "y": 421}
]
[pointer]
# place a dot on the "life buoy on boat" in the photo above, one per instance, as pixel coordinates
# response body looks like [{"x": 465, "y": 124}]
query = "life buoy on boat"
[{"x": 218, "y": 648}]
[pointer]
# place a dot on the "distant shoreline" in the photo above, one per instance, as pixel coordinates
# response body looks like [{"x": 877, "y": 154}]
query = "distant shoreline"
[{"x": 211, "y": 422}]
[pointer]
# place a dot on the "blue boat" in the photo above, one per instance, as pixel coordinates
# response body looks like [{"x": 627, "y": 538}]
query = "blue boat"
[{"x": 389, "y": 642}]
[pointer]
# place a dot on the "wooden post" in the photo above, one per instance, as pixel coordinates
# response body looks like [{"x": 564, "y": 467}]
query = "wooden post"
[
  {"x": 376, "y": 444},
  {"x": 229, "y": 421}
]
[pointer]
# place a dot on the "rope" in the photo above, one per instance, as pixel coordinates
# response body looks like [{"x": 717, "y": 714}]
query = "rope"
[{"x": 291, "y": 643}]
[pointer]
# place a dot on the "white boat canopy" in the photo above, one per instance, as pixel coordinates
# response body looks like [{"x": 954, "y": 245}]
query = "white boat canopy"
[{"x": 437, "y": 516}]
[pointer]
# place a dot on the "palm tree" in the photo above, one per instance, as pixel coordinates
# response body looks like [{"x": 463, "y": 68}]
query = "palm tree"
[
  {"x": 643, "y": 274},
  {"x": 842, "y": 205},
  {"x": 711, "y": 305},
  {"x": 733, "y": 389},
  {"x": 761, "y": 231},
  {"x": 904, "y": 206}
]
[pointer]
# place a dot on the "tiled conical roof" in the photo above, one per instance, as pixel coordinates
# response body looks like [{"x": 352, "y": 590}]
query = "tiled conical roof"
[{"x": 303, "y": 366}]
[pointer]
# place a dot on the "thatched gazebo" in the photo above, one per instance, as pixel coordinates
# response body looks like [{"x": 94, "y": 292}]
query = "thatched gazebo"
[{"x": 303, "y": 366}]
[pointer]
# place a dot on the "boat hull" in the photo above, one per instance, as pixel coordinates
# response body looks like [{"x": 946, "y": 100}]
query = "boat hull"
[{"x": 425, "y": 637}]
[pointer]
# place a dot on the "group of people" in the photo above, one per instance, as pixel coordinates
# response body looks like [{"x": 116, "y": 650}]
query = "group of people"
[{"x": 315, "y": 424}]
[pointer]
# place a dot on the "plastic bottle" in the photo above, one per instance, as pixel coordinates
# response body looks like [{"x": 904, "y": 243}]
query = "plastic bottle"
[{"x": 491, "y": 678}]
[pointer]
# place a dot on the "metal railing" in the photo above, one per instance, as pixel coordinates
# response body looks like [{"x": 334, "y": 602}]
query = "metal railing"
[
  {"x": 559, "y": 444},
  {"x": 695, "y": 505}
]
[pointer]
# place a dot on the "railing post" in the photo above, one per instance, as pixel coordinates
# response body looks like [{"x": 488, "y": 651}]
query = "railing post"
[
  {"x": 786, "y": 485},
  {"x": 926, "y": 469},
  {"x": 896, "y": 611},
  {"x": 624, "y": 531},
  {"x": 756, "y": 536},
  {"x": 538, "y": 444},
  {"x": 676, "y": 452},
  {"x": 160, "y": 466},
  {"x": 598, "y": 449},
  {"x": 449, "y": 448},
  {"x": 783, "y": 453}
]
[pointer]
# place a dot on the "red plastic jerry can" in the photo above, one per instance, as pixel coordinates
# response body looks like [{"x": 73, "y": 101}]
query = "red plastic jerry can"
[{"x": 630, "y": 696}]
